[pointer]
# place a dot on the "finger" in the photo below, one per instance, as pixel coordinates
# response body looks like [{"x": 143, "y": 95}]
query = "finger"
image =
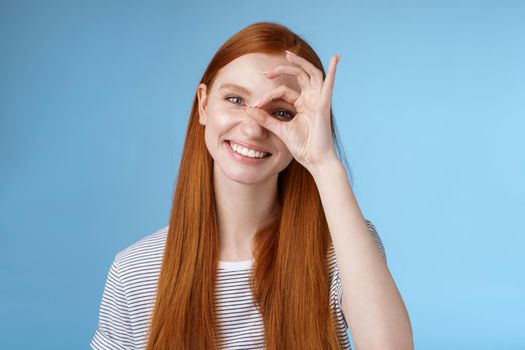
[
  {"x": 282, "y": 92},
  {"x": 316, "y": 76},
  {"x": 302, "y": 77},
  {"x": 267, "y": 121},
  {"x": 328, "y": 84}
]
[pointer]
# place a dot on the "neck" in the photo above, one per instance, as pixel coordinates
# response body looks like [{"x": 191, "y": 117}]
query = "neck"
[{"x": 241, "y": 210}]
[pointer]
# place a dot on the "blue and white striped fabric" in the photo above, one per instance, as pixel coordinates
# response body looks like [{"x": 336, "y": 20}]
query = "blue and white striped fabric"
[{"x": 129, "y": 296}]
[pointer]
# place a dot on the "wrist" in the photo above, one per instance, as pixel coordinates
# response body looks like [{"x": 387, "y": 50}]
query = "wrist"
[{"x": 327, "y": 166}]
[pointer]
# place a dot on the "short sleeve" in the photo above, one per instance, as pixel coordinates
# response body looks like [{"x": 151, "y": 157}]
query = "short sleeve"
[
  {"x": 114, "y": 330},
  {"x": 377, "y": 239},
  {"x": 337, "y": 279}
]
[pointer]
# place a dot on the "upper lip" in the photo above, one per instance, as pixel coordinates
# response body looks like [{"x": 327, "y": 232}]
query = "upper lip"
[{"x": 249, "y": 145}]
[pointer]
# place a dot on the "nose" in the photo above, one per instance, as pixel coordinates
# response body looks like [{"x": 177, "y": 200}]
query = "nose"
[{"x": 253, "y": 130}]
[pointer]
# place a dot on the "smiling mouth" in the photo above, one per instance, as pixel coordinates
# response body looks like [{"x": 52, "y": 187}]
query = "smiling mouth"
[{"x": 268, "y": 154}]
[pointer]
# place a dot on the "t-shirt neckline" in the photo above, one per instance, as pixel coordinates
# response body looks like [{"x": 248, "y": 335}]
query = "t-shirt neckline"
[{"x": 236, "y": 265}]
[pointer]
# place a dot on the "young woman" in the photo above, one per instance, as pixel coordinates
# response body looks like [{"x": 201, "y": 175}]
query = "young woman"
[{"x": 266, "y": 246}]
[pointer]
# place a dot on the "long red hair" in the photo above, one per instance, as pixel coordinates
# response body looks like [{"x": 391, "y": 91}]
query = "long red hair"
[{"x": 290, "y": 280}]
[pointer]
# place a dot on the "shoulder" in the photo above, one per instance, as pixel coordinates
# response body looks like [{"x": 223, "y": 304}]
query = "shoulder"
[
  {"x": 130, "y": 290},
  {"x": 144, "y": 254}
]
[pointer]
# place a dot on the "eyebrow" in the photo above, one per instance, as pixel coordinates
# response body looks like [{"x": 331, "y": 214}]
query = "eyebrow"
[{"x": 239, "y": 88}]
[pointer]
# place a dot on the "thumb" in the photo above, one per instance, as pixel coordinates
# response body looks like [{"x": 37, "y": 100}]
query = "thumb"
[{"x": 265, "y": 120}]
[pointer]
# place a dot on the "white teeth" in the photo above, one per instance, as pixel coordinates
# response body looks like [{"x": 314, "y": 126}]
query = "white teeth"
[{"x": 247, "y": 152}]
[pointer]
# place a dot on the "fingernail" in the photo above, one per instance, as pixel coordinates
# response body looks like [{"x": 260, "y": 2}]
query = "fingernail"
[{"x": 338, "y": 57}]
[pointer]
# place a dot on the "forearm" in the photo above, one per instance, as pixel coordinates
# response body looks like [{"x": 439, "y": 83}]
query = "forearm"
[{"x": 372, "y": 305}]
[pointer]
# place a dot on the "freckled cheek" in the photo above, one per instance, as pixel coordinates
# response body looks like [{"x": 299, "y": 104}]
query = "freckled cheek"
[
  {"x": 221, "y": 123},
  {"x": 233, "y": 110},
  {"x": 284, "y": 150},
  {"x": 226, "y": 116}
]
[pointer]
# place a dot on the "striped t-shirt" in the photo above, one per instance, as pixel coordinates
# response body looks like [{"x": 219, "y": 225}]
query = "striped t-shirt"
[{"x": 129, "y": 296}]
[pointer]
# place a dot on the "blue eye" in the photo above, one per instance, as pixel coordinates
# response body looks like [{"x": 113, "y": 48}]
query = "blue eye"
[
  {"x": 287, "y": 116},
  {"x": 228, "y": 98}
]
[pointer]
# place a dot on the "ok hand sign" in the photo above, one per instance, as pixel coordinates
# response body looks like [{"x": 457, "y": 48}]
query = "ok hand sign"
[{"x": 308, "y": 136}]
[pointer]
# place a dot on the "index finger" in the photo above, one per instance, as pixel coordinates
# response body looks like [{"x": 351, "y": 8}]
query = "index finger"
[
  {"x": 316, "y": 76},
  {"x": 282, "y": 92}
]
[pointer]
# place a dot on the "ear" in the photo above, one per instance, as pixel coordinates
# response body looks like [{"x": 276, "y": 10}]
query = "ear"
[{"x": 203, "y": 101}]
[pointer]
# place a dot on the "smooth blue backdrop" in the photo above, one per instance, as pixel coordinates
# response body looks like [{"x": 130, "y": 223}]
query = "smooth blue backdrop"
[{"x": 429, "y": 100}]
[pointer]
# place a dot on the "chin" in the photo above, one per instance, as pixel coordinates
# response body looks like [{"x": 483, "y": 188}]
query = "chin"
[{"x": 248, "y": 179}]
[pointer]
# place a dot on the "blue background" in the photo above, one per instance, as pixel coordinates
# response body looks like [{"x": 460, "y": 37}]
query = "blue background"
[{"x": 429, "y": 101}]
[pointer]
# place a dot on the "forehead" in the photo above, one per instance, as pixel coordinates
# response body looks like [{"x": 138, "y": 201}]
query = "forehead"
[{"x": 247, "y": 71}]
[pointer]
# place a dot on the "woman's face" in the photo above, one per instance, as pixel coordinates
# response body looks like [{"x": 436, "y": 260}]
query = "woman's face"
[{"x": 238, "y": 84}]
